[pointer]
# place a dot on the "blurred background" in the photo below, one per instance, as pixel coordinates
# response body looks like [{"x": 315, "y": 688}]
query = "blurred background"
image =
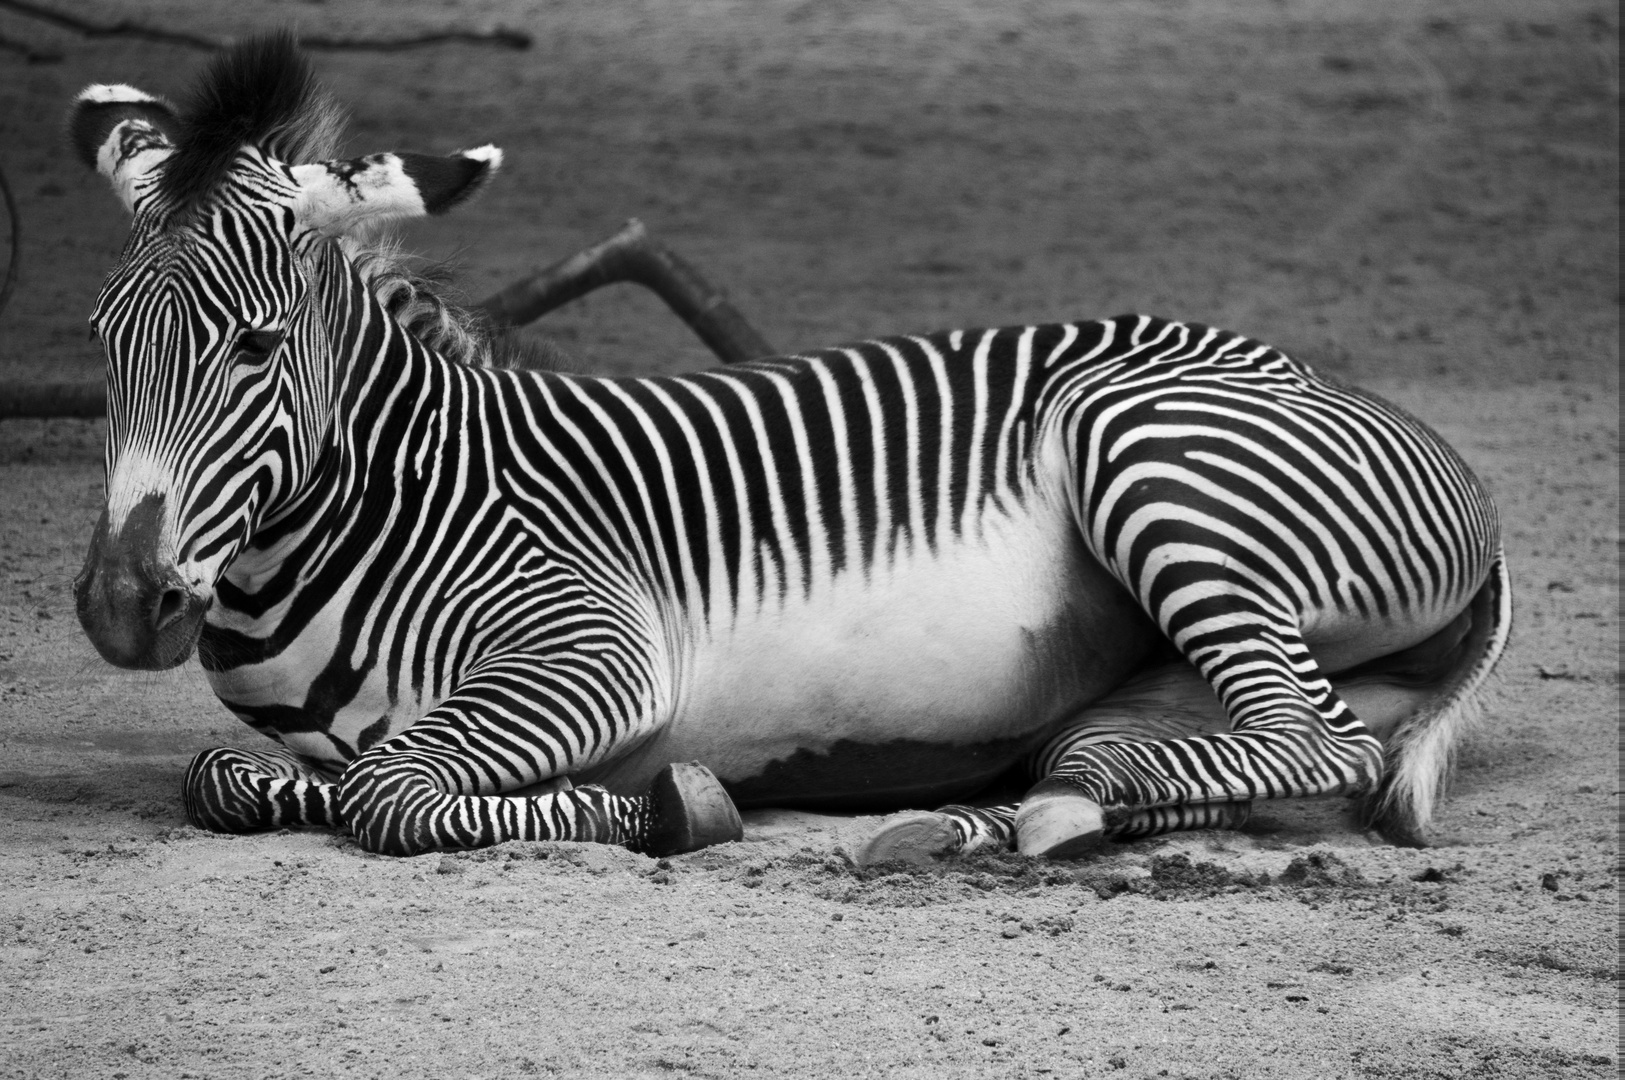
[{"x": 1393, "y": 190}]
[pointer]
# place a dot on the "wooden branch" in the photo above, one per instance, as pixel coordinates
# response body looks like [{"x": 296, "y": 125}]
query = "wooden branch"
[
  {"x": 502, "y": 37},
  {"x": 632, "y": 255}
]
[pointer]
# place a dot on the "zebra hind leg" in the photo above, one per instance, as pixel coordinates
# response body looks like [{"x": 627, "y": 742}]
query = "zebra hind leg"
[
  {"x": 1070, "y": 826},
  {"x": 1167, "y": 702},
  {"x": 1291, "y": 735},
  {"x": 1396, "y": 697},
  {"x": 1179, "y": 725},
  {"x": 236, "y": 791},
  {"x": 926, "y": 836}
]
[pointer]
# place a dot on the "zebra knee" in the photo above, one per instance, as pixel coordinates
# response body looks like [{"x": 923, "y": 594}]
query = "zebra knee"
[
  {"x": 237, "y": 791},
  {"x": 213, "y": 794},
  {"x": 389, "y": 805}
]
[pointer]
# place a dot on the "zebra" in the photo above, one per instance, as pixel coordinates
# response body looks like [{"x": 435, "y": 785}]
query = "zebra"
[{"x": 1167, "y": 567}]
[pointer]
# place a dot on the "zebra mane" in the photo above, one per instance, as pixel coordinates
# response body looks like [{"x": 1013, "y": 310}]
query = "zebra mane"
[
  {"x": 260, "y": 92},
  {"x": 415, "y": 293}
]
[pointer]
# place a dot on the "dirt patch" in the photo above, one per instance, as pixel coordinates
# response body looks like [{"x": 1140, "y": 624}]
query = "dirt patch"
[{"x": 1419, "y": 197}]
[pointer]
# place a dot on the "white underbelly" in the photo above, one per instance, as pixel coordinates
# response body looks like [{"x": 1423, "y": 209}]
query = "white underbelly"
[
  {"x": 988, "y": 641},
  {"x": 946, "y": 640}
]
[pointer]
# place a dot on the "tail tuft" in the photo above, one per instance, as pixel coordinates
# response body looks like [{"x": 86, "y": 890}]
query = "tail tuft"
[{"x": 1419, "y": 755}]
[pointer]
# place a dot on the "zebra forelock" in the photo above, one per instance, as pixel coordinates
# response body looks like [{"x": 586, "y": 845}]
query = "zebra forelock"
[{"x": 261, "y": 92}]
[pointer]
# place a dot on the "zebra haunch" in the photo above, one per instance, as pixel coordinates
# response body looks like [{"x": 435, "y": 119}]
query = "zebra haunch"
[{"x": 1168, "y": 567}]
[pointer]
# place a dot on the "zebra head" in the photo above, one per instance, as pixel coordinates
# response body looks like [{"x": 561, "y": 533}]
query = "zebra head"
[{"x": 219, "y": 322}]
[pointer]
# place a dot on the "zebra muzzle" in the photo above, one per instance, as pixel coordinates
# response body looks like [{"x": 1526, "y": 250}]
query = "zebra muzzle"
[{"x": 134, "y": 605}]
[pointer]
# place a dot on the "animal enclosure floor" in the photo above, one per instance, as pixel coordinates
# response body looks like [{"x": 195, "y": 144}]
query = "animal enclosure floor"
[{"x": 1418, "y": 197}]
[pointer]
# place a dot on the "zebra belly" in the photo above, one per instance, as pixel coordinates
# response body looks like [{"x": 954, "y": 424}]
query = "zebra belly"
[{"x": 921, "y": 681}]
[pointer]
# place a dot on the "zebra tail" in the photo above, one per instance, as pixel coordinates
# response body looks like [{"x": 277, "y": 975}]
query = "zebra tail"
[{"x": 1419, "y": 754}]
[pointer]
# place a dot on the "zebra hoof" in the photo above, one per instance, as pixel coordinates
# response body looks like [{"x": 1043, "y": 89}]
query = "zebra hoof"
[
  {"x": 690, "y": 811},
  {"x": 1059, "y": 826},
  {"x": 919, "y": 837}
]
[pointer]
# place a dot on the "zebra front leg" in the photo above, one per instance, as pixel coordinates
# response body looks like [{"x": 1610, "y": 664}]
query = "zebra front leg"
[
  {"x": 395, "y": 802},
  {"x": 237, "y": 791},
  {"x": 439, "y": 784}
]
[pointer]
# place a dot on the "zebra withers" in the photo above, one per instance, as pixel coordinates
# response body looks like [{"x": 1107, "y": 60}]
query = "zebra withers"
[{"x": 1171, "y": 568}]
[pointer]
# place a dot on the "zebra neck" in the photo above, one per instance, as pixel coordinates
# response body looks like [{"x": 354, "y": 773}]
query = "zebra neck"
[{"x": 396, "y": 407}]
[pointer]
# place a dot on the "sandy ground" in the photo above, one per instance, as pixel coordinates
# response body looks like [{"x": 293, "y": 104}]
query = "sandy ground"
[{"x": 1419, "y": 196}]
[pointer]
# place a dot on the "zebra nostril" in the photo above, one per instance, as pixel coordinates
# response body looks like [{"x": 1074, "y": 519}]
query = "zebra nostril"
[{"x": 171, "y": 606}]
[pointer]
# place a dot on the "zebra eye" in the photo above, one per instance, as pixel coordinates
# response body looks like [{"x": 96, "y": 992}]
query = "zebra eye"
[{"x": 256, "y": 345}]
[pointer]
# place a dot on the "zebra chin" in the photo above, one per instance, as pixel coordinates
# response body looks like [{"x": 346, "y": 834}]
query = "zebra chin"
[{"x": 134, "y": 606}]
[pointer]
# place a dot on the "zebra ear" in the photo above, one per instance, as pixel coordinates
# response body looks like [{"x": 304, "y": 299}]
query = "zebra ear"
[
  {"x": 122, "y": 133},
  {"x": 339, "y": 196}
]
